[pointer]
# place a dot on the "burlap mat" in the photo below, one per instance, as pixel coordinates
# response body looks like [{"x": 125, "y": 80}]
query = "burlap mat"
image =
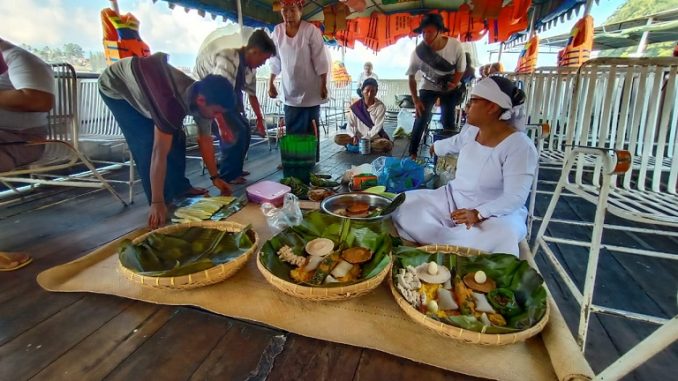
[{"x": 372, "y": 321}]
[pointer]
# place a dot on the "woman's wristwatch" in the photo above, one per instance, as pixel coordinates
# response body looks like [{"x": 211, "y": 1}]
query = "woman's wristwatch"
[{"x": 479, "y": 216}]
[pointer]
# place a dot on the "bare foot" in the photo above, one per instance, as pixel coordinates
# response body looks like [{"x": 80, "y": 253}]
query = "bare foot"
[
  {"x": 245, "y": 173},
  {"x": 194, "y": 191},
  {"x": 238, "y": 180},
  {"x": 13, "y": 261}
]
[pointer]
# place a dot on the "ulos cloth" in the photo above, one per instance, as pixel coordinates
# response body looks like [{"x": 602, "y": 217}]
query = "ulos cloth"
[{"x": 494, "y": 180}]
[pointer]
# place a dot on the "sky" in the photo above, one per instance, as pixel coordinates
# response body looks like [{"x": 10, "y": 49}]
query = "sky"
[{"x": 180, "y": 33}]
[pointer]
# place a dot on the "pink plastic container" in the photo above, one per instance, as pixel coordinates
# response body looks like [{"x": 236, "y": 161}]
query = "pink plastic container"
[{"x": 268, "y": 191}]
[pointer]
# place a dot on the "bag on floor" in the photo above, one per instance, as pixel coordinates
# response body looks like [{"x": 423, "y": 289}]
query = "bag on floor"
[{"x": 398, "y": 175}]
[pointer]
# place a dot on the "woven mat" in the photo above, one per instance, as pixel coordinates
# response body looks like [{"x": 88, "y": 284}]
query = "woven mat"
[{"x": 372, "y": 321}]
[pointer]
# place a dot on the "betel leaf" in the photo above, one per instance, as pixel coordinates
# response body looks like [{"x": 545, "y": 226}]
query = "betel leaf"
[{"x": 173, "y": 255}]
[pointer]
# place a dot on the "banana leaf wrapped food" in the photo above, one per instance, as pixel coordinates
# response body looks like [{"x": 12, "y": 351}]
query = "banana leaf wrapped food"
[
  {"x": 518, "y": 302},
  {"x": 183, "y": 252}
]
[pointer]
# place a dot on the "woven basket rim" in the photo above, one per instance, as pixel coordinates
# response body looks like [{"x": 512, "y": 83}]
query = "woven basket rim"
[
  {"x": 201, "y": 278},
  {"x": 324, "y": 293},
  {"x": 458, "y": 333}
]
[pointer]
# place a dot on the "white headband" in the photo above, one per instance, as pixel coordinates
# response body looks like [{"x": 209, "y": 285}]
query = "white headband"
[{"x": 488, "y": 89}]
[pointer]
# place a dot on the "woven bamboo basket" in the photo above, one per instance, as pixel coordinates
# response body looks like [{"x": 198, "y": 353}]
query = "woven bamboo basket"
[
  {"x": 458, "y": 333},
  {"x": 324, "y": 294},
  {"x": 202, "y": 278}
]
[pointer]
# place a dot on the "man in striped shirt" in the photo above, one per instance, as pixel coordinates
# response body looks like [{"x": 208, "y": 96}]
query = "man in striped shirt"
[{"x": 239, "y": 66}]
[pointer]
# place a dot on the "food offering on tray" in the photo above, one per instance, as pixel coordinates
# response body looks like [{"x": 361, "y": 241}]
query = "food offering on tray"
[
  {"x": 201, "y": 209},
  {"x": 180, "y": 250},
  {"x": 357, "y": 206},
  {"x": 325, "y": 252},
  {"x": 493, "y": 293}
]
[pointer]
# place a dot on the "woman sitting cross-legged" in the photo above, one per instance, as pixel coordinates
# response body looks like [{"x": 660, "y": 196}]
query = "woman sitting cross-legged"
[
  {"x": 484, "y": 206},
  {"x": 366, "y": 120}
]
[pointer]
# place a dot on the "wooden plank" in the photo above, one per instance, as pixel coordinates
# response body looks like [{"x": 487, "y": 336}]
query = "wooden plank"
[
  {"x": 177, "y": 350},
  {"x": 101, "y": 352},
  {"x": 227, "y": 362},
  {"x": 311, "y": 359},
  {"x": 376, "y": 365},
  {"x": 33, "y": 307},
  {"x": 33, "y": 350}
]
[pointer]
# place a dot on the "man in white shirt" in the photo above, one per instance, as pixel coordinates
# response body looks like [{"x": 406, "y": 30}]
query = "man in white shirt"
[
  {"x": 239, "y": 66},
  {"x": 366, "y": 73},
  {"x": 442, "y": 62},
  {"x": 303, "y": 65},
  {"x": 26, "y": 96}
]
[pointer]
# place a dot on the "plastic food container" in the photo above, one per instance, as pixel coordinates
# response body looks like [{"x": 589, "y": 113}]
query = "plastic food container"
[{"x": 268, "y": 191}]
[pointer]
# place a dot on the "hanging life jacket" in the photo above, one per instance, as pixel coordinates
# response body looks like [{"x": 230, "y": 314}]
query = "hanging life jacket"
[
  {"x": 579, "y": 45},
  {"x": 527, "y": 61},
  {"x": 121, "y": 36}
]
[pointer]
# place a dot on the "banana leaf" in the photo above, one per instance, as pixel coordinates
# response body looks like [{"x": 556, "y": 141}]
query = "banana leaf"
[
  {"x": 473, "y": 324},
  {"x": 343, "y": 232},
  {"x": 186, "y": 252},
  {"x": 506, "y": 270}
]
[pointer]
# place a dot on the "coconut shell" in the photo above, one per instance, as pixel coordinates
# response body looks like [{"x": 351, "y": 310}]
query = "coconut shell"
[{"x": 486, "y": 287}]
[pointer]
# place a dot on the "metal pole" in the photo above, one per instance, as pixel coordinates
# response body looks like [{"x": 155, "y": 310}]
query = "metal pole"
[
  {"x": 501, "y": 48},
  {"x": 239, "y": 6},
  {"x": 643, "y": 40},
  {"x": 114, "y": 6},
  {"x": 653, "y": 344},
  {"x": 587, "y": 8}
]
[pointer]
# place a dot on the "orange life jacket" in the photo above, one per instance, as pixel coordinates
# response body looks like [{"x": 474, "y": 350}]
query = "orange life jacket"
[
  {"x": 121, "y": 36},
  {"x": 527, "y": 60},
  {"x": 579, "y": 45}
]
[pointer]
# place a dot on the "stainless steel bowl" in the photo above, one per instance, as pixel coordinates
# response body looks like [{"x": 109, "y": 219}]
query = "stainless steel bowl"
[{"x": 343, "y": 200}]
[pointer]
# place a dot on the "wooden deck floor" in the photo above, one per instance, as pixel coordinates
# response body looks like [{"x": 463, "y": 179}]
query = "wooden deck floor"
[{"x": 60, "y": 336}]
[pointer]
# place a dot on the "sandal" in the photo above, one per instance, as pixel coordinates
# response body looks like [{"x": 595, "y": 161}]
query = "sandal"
[
  {"x": 13, "y": 261},
  {"x": 245, "y": 173}
]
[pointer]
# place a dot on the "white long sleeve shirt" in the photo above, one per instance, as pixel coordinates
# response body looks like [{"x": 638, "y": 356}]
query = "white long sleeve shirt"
[
  {"x": 493, "y": 180},
  {"x": 377, "y": 113},
  {"x": 300, "y": 61}
]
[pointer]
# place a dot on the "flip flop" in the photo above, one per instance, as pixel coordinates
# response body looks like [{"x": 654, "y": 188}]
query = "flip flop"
[
  {"x": 11, "y": 261},
  {"x": 245, "y": 173}
]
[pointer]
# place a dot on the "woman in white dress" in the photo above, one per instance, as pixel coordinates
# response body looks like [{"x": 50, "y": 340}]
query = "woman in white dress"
[{"x": 484, "y": 206}]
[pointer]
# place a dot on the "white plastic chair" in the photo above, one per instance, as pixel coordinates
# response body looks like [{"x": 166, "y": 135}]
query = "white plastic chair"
[
  {"x": 622, "y": 161},
  {"x": 61, "y": 146}
]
